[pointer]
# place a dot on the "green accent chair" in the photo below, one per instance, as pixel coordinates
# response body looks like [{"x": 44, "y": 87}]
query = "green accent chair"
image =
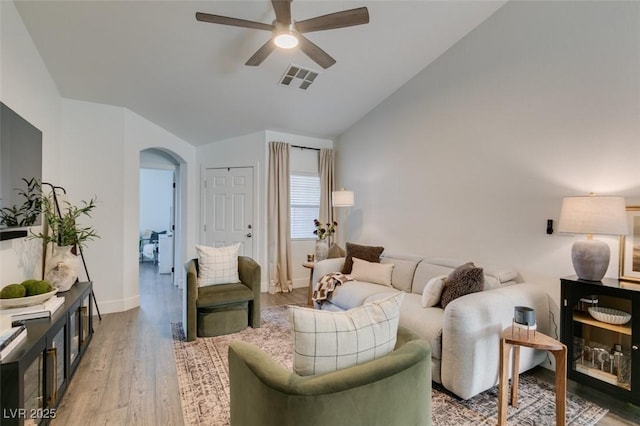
[
  {"x": 224, "y": 308},
  {"x": 392, "y": 390}
]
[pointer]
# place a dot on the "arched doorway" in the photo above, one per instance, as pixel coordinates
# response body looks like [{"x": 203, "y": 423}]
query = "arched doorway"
[{"x": 159, "y": 212}]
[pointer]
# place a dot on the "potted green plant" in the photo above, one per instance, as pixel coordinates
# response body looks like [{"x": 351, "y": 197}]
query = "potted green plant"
[
  {"x": 63, "y": 237},
  {"x": 64, "y": 229},
  {"x": 27, "y": 213}
]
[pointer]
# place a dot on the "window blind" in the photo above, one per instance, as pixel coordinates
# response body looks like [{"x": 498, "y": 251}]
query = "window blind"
[{"x": 305, "y": 204}]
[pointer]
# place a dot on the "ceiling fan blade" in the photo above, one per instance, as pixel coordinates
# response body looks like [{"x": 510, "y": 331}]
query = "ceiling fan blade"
[
  {"x": 235, "y": 22},
  {"x": 261, "y": 54},
  {"x": 345, "y": 18},
  {"x": 283, "y": 11},
  {"x": 318, "y": 55}
]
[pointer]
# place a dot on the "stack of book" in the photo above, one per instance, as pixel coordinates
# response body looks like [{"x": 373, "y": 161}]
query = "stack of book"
[
  {"x": 41, "y": 310},
  {"x": 11, "y": 338}
]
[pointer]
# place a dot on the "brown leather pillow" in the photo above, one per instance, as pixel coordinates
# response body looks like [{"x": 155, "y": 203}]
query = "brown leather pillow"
[
  {"x": 465, "y": 279},
  {"x": 368, "y": 253}
]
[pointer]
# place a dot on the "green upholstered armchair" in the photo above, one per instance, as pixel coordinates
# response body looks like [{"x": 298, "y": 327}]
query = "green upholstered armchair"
[
  {"x": 223, "y": 308},
  {"x": 392, "y": 390}
]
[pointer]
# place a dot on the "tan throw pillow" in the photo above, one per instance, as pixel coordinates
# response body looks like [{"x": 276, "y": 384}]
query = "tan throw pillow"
[
  {"x": 217, "y": 265},
  {"x": 335, "y": 251},
  {"x": 368, "y": 253},
  {"x": 465, "y": 279},
  {"x": 433, "y": 291},
  {"x": 376, "y": 273},
  {"x": 325, "y": 341}
]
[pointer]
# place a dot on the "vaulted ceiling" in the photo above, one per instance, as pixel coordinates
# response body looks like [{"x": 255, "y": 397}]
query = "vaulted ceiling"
[{"x": 189, "y": 77}]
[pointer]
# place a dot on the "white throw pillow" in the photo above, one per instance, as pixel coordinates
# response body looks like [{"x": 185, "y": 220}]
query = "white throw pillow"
[
  {"x": 432, "y": 291},
  {"x": 217, "y": 265},
  {"x": 376, "y": 273},
  {"x": 325, "y": 341}
]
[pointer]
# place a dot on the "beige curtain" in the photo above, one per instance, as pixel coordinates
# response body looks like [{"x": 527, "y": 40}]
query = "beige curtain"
[
  {"x": 327, "y": 185},
  {"x": 278, "y": 206}
]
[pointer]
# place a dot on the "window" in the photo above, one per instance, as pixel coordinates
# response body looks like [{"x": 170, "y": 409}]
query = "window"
[{"x": 305, "y": 204}]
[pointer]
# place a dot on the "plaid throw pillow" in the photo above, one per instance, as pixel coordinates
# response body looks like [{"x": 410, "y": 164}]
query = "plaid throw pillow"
[
  {"x": 325, "y": 341},
  {"x": 217, "y": 265}
]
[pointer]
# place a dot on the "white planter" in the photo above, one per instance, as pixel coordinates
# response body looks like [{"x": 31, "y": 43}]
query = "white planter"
[
  {"x": 61, "y": 267},
  {"x": 322, "y": 250}
]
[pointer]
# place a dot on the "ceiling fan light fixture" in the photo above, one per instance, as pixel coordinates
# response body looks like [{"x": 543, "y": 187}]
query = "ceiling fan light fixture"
[{"x": 286, "y": 40}]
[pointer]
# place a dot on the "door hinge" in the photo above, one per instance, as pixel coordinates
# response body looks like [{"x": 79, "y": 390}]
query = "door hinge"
[
  {"x": 205, "y": 228},
  {"x": 565, "y": 302},
  {"x": 172, "y": 270},
  {"x": 174, "y": 185}
]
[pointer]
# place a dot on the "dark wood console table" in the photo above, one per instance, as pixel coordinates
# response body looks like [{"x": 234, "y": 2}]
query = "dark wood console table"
[
  {"x": 602, "y": 355},
  {"x": 34, "y": 377}
]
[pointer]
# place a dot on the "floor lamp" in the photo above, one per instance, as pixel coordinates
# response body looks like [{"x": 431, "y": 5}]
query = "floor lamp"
[{"x": 342, "y": 199}]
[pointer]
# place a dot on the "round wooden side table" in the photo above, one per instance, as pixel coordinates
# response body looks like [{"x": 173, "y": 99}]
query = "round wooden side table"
[
  {"x": 513, "y": 337},
  {"x": 310, "y": 265}
]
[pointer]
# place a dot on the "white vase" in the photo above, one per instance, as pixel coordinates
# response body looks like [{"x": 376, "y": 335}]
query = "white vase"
[
  {"x": 61, "y": 267},
  {"x": 322, "y": 250}
]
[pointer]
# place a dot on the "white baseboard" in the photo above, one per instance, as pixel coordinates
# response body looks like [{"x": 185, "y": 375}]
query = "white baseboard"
[{"x": 111, "y": 306}]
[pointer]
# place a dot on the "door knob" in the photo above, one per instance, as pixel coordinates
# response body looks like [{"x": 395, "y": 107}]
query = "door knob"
[
  {"x": 635, "y": 347},
  {"x": 249, "y": 235}
]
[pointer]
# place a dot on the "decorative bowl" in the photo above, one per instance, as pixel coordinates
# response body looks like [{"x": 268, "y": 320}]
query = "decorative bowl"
[
  {"x": 27, "y": 300},
  {"x": 610, "y": 316}
]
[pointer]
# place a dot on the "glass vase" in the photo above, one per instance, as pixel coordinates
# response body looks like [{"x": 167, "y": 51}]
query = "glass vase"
[{"x": 322, "y": 250}]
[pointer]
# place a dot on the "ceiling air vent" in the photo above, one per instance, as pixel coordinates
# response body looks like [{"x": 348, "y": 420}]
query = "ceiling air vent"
[{"x": 298, "y": 77}]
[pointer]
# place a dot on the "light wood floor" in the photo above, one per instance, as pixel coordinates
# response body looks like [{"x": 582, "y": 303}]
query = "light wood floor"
[{"x": 128, "y": 375}]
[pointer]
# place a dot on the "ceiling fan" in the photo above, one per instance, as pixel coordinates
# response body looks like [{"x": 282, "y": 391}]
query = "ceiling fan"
[{"x": 287, "y": 33}]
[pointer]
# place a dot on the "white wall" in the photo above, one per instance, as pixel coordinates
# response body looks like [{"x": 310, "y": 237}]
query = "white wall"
[
  {"x": 90, "y": 149},
  {"x": 243, "y": 151},
  {"x": 156, "y": 200},
  {"x": 251, "y": 150},
  {"x": 103, "y": 144},
  {"x": 470, "y": 157},
  {"x": 27, "y": 88}
]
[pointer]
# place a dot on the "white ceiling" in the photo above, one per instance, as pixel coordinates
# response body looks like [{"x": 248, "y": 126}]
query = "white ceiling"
[{"x": 189, "y": 77}]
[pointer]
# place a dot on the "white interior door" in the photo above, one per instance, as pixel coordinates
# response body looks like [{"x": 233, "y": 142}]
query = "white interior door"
[{"x": 228, "y": 208}]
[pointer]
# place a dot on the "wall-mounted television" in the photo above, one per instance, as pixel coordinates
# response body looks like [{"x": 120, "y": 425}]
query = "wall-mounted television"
[{"x": 20, "y": 159}]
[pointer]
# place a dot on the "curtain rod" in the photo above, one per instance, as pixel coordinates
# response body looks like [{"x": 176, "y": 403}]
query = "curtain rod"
[{"x": 305, "y": 147}]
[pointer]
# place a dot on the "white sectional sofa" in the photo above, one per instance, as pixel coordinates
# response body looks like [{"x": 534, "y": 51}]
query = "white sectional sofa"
[{"x": 464, "y": 336}]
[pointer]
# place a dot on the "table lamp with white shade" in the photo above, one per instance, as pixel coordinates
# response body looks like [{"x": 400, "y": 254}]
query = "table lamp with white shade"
[
  {"x": 342, "y": 198},
  {"x": 590, "y": 215}
]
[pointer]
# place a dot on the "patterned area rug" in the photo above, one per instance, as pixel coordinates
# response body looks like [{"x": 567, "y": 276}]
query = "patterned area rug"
[{"x": 203, "y": 377}]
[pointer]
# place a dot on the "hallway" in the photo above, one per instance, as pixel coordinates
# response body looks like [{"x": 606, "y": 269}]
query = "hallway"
[{"x": 128, "y": 373}]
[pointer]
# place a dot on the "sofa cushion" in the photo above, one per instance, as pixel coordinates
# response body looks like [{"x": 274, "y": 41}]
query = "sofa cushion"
[
  {"x": 223, "y": 294},
  {"x": 433, "y": 291},
  {"x": 465, "y": 279},
  {"x": 353, "y": 293},
  {"x": 217, "y": 265},
  {"x": 425, "y": 271},
  {"x": 425, "y": 322},
  {"x": 403, "y": 271},
  {"x": 329, "y": 341},
  {"x": 368, "y": 253},
  {"x": 375, "y": 273}
]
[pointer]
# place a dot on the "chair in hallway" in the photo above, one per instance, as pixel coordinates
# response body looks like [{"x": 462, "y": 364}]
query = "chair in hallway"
[{"x": 222, "y": 308}]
